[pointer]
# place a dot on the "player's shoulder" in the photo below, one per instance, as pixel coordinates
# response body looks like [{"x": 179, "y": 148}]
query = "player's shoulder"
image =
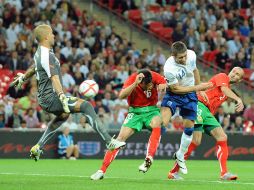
[
  {"x": 169, "y": 64},
  {"x": 191, "y": 54},
  {"x": 221, "y": 75}
]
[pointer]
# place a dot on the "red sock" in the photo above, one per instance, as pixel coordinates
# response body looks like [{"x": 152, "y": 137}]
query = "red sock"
[
  {"x": 154, "y": 142},
  {"x": 222, "y": 155},
  {"x": 191, "y": 147},
  {"x": 108, "y": 158}
]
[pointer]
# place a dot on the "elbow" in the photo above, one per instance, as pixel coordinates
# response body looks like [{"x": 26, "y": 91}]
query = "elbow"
[{"x": 121, "y": 96}]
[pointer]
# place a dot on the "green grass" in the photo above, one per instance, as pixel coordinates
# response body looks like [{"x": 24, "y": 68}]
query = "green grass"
[{"x": 123, "y": 175}]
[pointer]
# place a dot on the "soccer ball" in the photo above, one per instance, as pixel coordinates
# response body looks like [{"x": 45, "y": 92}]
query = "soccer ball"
[{"x": 88, "y": 88}]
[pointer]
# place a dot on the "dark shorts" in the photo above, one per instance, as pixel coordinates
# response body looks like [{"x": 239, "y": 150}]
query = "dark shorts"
[
  {"x": 187, "y": 103},
  {"x": 53, "y": 104}
]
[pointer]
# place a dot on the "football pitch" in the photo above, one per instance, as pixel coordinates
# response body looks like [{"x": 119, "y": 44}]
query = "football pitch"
[{"x": 49, "y": 174}]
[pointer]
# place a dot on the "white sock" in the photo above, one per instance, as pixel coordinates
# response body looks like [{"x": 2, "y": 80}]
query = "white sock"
[{"x": 185, "y": 142}]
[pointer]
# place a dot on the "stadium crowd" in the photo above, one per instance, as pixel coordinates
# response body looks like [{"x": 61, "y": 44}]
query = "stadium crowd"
[{"x": 89, "y": 49}]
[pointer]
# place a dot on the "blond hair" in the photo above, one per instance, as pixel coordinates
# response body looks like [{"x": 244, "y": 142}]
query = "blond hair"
[{"x": 41, "y": 31}]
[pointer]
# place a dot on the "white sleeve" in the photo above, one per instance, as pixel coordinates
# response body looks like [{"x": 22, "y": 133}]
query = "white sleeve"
[{"x": 171, "y": 79}]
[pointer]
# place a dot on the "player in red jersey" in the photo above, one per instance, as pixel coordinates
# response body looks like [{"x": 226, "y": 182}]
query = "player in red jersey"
[
  {"x": 207, "y": 123},
  {"x": 141, "y": 91}
]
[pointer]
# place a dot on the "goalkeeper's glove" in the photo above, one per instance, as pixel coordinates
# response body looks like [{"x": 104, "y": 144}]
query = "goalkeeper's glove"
[
  {"x": 64, "y": 100},
  {"x": 18, "y": 80}
]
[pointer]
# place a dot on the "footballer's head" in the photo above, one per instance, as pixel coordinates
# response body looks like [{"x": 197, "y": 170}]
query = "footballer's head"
[
  {"x": 44, "y": 35},
  {"x": 147, "y": 81},
  {"x": 236, "y": 75},
  {"x": 179, "y": 51}
]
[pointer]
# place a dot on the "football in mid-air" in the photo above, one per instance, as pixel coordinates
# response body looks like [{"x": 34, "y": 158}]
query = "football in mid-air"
[{"x": 88, "y": 88}]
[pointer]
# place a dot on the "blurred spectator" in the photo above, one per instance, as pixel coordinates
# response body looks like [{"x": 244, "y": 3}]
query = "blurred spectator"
[
  {"x": 239, "y": 60},
  {"x": 107, "y": 100},
  {"x": 15, "y": 63},
  {"x": 106, "y": 118},
  {"x": 220, "y": 115},
  {"x": 249, "y": 113},
  {"x": 84, "y": 125},
  {"x": 178, "y": 34},
  {"x": 23, "y": 125},
  {"x": 191, "y": 39},
  {"x": 14, "y": 121},
  {"x": 68, "y": 81},
  {"x": 233, "y": 46},
  {"x": 99, "y": 104},
  {"x": 70, "y": 124},
  {"x": 26, "y": 102},
  {"x": 202, "y": 45},
  {"x": 82, "y": 51},
  {"x": 66, "y": 147},
  {"x": 127, "y": 5},
  {"x": 248, "y": 127},
  {"x": 2, "y": 120},
  {"x": 222, "y": 57},
  {"x": 159, "y": 57},
  {"x": 229, "y": 106},
  {"x": 31, "y": 119},
  {"x": 227, "y": 126},
  {"x": 238, "y": 124}
]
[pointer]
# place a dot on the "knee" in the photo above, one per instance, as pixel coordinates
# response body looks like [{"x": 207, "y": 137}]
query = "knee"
[
  {"x": 188, "y": 123},
  {"x": 223, "y": 137},
  {"x": 196, "y": 141},
  {"x": 76, "y": 147},
  {"x": 65, "y": 116},
  {"x": 156, "y": 122}
]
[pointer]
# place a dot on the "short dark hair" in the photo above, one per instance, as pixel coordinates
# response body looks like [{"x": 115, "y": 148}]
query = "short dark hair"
[
  {"x": 148, "y": 75},
  {"x": 178, "y": 47}
]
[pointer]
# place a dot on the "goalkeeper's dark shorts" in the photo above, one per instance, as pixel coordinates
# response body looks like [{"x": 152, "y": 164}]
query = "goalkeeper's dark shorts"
[{"x": 54, "y": 105}]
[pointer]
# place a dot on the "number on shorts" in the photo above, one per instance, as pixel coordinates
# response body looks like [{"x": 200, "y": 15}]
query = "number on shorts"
[{"x": 128, "y": 117}]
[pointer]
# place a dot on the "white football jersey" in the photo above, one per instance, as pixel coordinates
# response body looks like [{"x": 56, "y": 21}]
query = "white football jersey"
[{"x": 178, "y": 73}]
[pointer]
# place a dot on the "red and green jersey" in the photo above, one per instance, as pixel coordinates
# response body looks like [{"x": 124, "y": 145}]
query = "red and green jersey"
[
  {"x": 215, "y": 96},
  {"x": 141, "y": 98}
]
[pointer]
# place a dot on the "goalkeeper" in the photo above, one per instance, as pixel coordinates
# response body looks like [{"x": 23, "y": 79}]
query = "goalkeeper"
[{"x": 51, "y": 96}]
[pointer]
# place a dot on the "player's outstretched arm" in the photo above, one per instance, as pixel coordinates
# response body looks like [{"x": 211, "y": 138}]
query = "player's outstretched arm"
[
  {"x": 128, "y": 90},
  {"x": 59, "y": 90},
  {"x": 20, "y": 78},
  {"x": 177, "y": 89},
  {"x": 229, "y": 93}
]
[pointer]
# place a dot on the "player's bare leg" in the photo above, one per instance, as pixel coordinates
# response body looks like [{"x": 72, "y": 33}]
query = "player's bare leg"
[
  {"x": 153, "y": 143},
  {"x": 124, "y": 134},
  {"x": 222, "y": 153}
]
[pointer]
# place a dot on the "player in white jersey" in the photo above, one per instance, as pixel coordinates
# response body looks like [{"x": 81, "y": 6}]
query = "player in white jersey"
[{"x": 183, "y": 80}]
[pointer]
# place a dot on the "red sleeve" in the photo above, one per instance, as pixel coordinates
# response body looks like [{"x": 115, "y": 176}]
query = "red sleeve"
[
  {"x": 130, "y": 80},
  {"x": 221, "y": 80},
  {"x": 157, "y": 78}
]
